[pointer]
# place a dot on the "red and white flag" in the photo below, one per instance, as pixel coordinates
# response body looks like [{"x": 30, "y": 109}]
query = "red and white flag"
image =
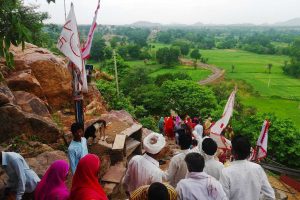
[
  {"x": 68, "y": 42},
  {"x": 262, "y": 142},
  {"x": 88, "y": 44},
  {"x": 220, "y": 125}
]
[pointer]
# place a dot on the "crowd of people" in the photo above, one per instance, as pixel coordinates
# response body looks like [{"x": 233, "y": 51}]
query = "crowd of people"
[{"x": 193, "y": 173}]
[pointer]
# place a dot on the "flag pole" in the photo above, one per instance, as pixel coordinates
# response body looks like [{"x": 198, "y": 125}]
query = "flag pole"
[{"x": 65, "y": 9}]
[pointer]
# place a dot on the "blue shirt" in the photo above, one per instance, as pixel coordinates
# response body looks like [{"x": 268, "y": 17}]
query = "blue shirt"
[
  {"x": 76, "y": 151},
  {"x": 21, "y": 178}
]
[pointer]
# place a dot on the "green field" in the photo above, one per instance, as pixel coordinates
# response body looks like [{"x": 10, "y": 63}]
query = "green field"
[
  {"x": 157, "y": 69},
  {"x": 279, "y": 93}
]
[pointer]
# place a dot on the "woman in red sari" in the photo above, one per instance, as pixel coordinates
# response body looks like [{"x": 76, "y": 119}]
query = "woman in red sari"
[
  {"x": 169, "y": 127},
  {"x": 85, "y": 185}
]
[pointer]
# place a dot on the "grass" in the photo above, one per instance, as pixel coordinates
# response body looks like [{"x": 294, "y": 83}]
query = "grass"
[
  {"x": 196, "y": 75},
  {"x": 278, "y": 93},
  {"x": 158, "y": 69}
]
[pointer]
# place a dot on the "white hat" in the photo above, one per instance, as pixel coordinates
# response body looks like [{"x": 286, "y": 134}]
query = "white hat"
[{"x": 154, "y": 143}]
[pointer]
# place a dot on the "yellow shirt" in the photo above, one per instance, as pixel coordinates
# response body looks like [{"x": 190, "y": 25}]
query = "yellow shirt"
[{"x": 142, "y": 193}]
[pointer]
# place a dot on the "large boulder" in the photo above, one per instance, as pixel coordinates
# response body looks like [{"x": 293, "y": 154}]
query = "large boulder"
[
  {"x": 14, "y": 122},
  {"x": 42, "y": 162},
  {"x": 31, "y": 103},
  {"x": 49, "y": 70},
  {"x": 94, "y": 102},
  {"x": 25, "y": 81},
  {"x": 6, "y": 96}
]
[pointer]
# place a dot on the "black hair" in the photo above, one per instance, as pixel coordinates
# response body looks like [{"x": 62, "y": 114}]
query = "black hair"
[
  {"x": 194, "y": 162},
  {"x": 195, "y": 142},
  {"x": 75, "y": 127},
  {"x": 241, "y": 147},
  {"x": 184, "y": 139},
  {"x": 158, "y": 191},
  {"x": 209, "y": 146}
]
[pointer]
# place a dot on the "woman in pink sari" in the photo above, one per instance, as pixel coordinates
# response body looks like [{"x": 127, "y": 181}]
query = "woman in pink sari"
[
  {"x": 85, "y": 185},
  {"x": 52, "y": 185}
]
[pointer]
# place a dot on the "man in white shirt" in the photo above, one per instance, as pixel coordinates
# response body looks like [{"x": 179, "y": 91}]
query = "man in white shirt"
[
  {"x": 198, "y": 128},
  {"x": 21, "y": 178},
  {"x": 199, "y": 185},
  {"x": 144, "y": 170},
  {"x": 177, "y": 167},
  {"x": 212, "y": 166},
  {"x": 244, "y": 179},
  {"x": 78, "y": 147}
]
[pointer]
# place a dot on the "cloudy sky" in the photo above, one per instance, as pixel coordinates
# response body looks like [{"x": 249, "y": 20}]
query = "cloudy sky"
[{"x": 175, "y": 11}]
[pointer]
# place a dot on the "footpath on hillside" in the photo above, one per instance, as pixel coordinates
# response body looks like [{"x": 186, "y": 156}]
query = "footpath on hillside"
[{"x": 217, "y": 73}]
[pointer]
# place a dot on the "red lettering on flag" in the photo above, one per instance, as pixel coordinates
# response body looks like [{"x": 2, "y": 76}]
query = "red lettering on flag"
[
  {"x": 62, "y": 40},
  {"x": 222, "y": 125},
  {"x": 65, "y": 26},
  {"x": 72, "y": 47}
]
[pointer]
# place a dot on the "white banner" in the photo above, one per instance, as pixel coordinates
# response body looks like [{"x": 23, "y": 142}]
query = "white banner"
[
  {"x": 68, "y": 42},
  {"x": 221, "y": 124}
]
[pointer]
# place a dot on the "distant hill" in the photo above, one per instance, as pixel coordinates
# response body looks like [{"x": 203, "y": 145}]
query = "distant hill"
[
  {"x": 291, "y": 22},
  {"x": 145, "y": 24}
]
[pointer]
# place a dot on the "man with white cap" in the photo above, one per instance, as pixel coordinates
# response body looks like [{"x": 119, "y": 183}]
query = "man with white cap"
[{"x": 144, "y": 170}]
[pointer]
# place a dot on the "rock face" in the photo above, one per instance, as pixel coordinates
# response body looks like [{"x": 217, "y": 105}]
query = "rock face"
[
  {"x": 49, "y": 70},
  {"x": 41, "y": 163},
  {"x": 6, "y": 96},
  {"x": 31, "y": 103},
  {"x": 14, "y": 122},
  {"x": 25, "y": 81}
]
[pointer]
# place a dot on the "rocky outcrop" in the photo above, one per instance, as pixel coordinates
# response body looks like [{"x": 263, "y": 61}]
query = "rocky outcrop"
[
  {"x": 25, "y": 81},
  {"x": 14, "y": 121},
  {"x": 49, "y": 70},
  {"x": 6, "y": 96},
  {"x": 93, "y": 101},
  {"x": 41, "y": 163},
  {"x": 31, "y": 103}
]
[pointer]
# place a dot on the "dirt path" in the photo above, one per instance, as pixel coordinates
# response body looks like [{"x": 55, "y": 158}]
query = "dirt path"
[{"x": 217, "y": 73}]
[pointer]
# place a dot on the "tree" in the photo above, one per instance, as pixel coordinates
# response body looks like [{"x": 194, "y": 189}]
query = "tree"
[
  {"x": 134, "y": 78},
  {"x": 183, "y": 45},
  {"x": 98, "y": 48},
  {"x": 293, "y": 69},
  {"x": 232, "y": 68},
  {"x": 168, "y": 56},
  {"x": 160, "y": 79},
  {"x": 185, "y": 96},
  {"x": 196, "y": 55},
  {"x": 270, "y": 67},
  {"x": 150, "y": 97},
  {"x": 18, "y": 24}
]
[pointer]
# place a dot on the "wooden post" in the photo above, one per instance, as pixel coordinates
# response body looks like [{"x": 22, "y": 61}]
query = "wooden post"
[{"x": 116, "y": 72}]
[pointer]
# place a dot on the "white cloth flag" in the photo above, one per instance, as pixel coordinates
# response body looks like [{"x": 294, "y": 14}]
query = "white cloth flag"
[
  {"x": 68, "y": 42},
  {"x": 262, "y": 142},
  {"x": 69, "y": 45},
  {"x": 87, "y": 46},
  {"x": 220, "y": 125}
]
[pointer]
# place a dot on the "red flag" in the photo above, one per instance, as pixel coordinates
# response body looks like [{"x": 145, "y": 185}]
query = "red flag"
[
  {"x": 220, "y": 125},
  {"x": 262, "y": 142},
  {"x": 87, "y": 46}
]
